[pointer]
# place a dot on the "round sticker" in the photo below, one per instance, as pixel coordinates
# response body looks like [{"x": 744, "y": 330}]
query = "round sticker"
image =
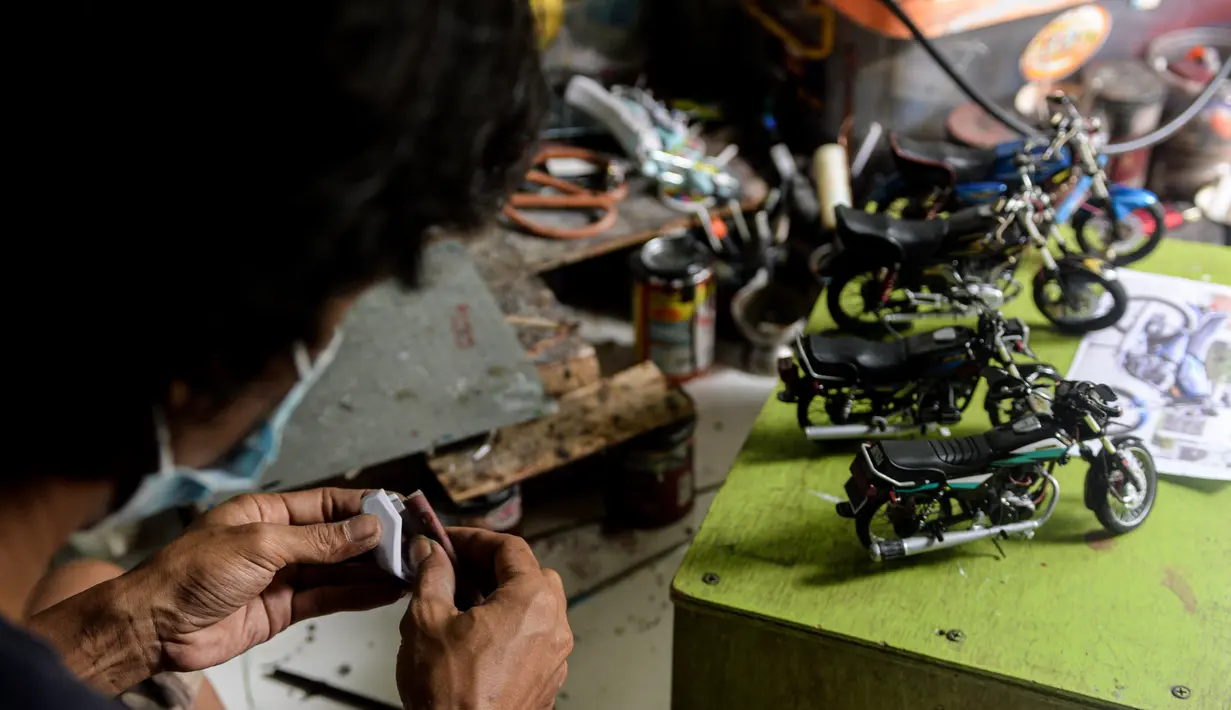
[{"x": 1066, "y": 43}]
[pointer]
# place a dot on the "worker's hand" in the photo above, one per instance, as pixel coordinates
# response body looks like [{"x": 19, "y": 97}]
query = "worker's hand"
[
  {"x": 507, "y": 653},
  {"x": 255, "y": 565}
]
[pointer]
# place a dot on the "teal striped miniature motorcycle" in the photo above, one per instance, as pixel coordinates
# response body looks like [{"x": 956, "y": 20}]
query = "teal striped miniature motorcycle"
[{"x": 908, "y": 497}]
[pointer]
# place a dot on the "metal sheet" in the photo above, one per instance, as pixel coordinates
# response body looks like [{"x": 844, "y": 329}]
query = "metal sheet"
[{"x": 415, "y": 370}]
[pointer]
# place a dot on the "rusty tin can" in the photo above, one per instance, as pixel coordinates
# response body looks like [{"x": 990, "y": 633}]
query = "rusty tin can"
[
  {"x": 674, "y": 299},
  {"x": 500, "y": 511},
  {"x": 651, "y": 482}
]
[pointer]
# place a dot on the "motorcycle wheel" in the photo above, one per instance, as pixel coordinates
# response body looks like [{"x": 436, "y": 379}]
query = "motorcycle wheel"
[
  {"x": 1055, "y": 293},
  {"x": 847, "y": 296},
  {"x": 883, "y": 520},
  {"x": 873, "y": 519},
  {"x": 1108, "y": 508},
  {"x": 1094, "y": 232}
]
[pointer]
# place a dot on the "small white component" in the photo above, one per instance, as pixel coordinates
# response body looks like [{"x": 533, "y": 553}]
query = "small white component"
[
  {"x": 389, "y": 554},
  {"x": 570, "y": 167}
]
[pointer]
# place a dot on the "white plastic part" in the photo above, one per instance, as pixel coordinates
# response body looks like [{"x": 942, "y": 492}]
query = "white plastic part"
[
  {"x": 784, "y": 162},
  {"x": 833, "y": 182},
  {"x": 389, "y": 553},
  {"x": 631, "y": 126}
]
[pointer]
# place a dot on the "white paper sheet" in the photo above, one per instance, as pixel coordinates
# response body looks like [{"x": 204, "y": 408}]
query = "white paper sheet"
[{"x": 1169, "y": 359}]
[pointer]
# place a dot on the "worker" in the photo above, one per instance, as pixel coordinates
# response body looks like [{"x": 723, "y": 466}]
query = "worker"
[{"x": 203, "y": 189}]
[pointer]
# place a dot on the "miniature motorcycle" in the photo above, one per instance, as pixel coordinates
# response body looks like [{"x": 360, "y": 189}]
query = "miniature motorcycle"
[
  {"x": 874, "y": 389},
  {"x": 891, "y": 272},
  {"x": 1115, "y": 222},
  {"x": 908, "y": 497}
]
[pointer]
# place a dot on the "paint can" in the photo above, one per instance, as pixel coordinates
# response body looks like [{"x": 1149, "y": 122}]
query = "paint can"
[
  {"x": 651, "y": 481},
  {"x": 674, "y": 300},
  {"x": 499, "y": 511},
  {"x": 1186, "y": 60},
  {"x": 1130, "y": 96}
]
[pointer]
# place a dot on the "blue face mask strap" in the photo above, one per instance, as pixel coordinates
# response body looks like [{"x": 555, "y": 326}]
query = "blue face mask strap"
[
  {"x": 303, "y": 361},
  {"x": 307, "y": 370},
  {"x": 162, "y": 435}
]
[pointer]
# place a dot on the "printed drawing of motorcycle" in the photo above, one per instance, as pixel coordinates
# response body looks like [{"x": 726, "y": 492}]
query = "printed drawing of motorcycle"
[
  {"x": 920, "y": 384},
  {"x": 909, "y": 497},
  {"x": 890, "y": 272},
  {"x": 1116, "y": 222},
  {"x": 1173, "y": 361}
]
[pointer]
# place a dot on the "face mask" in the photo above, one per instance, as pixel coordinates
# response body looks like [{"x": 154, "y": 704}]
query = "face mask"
[{"x": 240, "y": 470}]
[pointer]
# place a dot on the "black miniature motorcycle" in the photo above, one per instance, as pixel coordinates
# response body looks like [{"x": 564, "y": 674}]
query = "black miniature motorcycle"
[
  {"x": 908, "y": 497},
  {"x": 869, "y": 388},
  {"x": 890, "y": 272}
]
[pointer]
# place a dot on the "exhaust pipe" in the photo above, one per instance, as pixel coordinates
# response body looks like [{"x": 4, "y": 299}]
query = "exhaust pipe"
[
  {"x": 892, "y": 549},
  {"x": 905, "y": 317},
  {"x": 870, "y": 431},
  {"x": 857, "y": 431}
]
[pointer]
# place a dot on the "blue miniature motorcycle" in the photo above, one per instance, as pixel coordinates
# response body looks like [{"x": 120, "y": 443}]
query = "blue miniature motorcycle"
[{"x": 1118, "y": 223}]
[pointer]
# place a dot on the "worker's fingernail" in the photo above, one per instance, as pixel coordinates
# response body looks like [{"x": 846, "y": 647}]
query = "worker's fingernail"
[
  {"x": 363, "y": 528},
  {"x": 420, "y": 550}
]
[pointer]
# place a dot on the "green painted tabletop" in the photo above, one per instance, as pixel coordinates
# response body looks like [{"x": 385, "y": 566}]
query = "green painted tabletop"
[{"x": 1122, "y": 620}]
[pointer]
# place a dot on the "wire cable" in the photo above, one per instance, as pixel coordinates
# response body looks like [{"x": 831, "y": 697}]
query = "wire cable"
[
  {"x": 1165, "y": 132},
  {"x": 979, "y": 97}
]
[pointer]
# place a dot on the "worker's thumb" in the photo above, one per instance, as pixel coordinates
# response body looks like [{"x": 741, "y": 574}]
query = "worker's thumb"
[
  {"x": 322, "y": 543},
  {"x": 434, "y": 579}
]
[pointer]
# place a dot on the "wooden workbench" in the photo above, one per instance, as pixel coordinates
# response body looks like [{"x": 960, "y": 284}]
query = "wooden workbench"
[{"x": 778, "y": 606}]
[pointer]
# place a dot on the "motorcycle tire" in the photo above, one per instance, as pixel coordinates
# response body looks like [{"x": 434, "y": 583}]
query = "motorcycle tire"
[
  {"x": 843, "y": 274},
  {"x": 1144, "y": 249},
  {"x": 1111, "y": 286},
  {"x": 863, "y": 520},
  {"x": 1098, "y": 488}
]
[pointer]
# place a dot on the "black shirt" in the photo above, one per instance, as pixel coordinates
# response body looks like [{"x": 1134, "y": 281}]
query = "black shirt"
[{"x": 32, "y": 677}]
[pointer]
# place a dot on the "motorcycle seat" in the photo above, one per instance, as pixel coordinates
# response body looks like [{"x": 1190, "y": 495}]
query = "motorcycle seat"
[
  {"x": 855, "y": 359},
  {"x": 962, "y": 163},
  {"x": 873, "y": 361},
  {"x": 926, "y": 460},
  {"x": 881, "y": 235}
]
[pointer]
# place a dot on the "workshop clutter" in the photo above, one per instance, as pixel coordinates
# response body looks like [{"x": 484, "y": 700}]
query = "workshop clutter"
[{"x": 731, "y": 226}]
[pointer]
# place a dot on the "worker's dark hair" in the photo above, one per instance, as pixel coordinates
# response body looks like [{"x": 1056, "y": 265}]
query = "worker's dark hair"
[{"x": 199, "y": 180}]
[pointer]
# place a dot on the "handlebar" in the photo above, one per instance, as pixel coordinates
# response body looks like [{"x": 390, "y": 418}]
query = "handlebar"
[{"x": 1096, "y": 398}]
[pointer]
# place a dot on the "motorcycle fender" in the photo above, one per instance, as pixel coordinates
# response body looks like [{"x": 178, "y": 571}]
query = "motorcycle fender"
[
  {"x": 1097, "y": 472},
  {"x": 1124, "y": 199},
  {"x": 1098, "y": 469}
]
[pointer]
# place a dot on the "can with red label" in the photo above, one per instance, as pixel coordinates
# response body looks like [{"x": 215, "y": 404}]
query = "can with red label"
[
  {"x": 651, "y": 481},
  {"x": 674, "y": 305},
  {"x": 499, "y": 511}
]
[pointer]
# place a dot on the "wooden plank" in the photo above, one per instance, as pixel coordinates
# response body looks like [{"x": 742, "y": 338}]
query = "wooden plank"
[
  {"x": 588, "y": 420},
  {"x": 1112, "y": 621},
  {"x": 574, "y": 372}
]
